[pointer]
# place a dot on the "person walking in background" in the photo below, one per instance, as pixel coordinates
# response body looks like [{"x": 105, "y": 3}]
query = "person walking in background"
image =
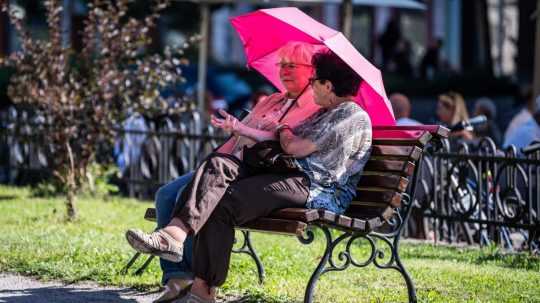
[
  {"x": 485, "y": 106},
  {"x": 402, "y": 109},
  {"x": 451, "y": 110},
  {"x": 528, "y": 132}
]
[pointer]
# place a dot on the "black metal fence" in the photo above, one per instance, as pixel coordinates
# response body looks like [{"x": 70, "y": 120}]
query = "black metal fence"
[
  {"x": 471, "y": 193},
  {"x": 476, "y": 193}
]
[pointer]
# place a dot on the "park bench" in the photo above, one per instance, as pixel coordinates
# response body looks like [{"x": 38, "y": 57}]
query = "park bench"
[{"x": 377, "y": 214}]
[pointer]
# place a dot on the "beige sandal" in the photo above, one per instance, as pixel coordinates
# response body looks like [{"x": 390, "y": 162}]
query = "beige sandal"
[{"x": 152, "y": 244}]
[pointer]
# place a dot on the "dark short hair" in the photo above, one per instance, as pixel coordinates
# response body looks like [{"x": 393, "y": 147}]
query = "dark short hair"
[{"x": 328, "y": 66}]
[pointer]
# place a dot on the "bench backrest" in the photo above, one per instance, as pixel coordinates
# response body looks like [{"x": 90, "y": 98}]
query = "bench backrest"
[{"x": 396, "y": 153}]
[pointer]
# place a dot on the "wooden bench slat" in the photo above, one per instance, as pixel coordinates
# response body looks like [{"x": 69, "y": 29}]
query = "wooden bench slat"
[
  {"x": 403, "y": 167},
  {"x": 400, "y": 152},
  {"x": 300, "y": 214},
  {"x": 392, "y": 198},
  {"x": 359, "y": 224},
  {"x": 369, "y": 211},
  {"x": 327, "y": 216},
  {"x": 391, "y": 182},
  {"x": 289, "y": 227},
  {"x": 344, "y": 221},
  {"x": 418, "y": 138}
]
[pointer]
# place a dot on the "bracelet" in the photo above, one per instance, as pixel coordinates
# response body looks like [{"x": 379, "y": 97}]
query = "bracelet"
[{"x": 282, "y": 127}]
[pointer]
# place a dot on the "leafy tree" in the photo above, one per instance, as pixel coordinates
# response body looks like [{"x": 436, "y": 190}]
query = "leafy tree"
[{"x": 83, "y": 96}]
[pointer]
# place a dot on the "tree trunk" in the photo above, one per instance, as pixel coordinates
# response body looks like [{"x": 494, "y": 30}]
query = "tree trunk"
[
  {"x": 71, "y": 203},
  {"x": 71, "y": 186}
]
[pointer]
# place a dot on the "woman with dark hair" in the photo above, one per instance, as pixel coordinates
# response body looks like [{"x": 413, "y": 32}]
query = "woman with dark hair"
[{"x": 331, "y": 147}]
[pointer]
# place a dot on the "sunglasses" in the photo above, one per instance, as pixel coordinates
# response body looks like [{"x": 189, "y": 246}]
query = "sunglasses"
[
  {"x": 291, "y": 65},
  {"x": 313, "y": 79}
]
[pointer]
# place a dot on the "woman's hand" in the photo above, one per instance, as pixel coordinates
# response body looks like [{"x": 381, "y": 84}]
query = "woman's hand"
[{"x": 229, "y": 123}]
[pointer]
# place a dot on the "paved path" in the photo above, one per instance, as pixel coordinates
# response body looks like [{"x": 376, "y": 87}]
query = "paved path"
[{"x": 20, "y": 289}]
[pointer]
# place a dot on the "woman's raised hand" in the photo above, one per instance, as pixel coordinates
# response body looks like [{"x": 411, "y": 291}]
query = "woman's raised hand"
[{"x": 229, "y": 123}]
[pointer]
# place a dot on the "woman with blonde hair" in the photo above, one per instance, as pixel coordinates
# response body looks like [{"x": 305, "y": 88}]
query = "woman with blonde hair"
[
  {"x": 295, "y": 70},
  {"x": 451, "y": 109}
]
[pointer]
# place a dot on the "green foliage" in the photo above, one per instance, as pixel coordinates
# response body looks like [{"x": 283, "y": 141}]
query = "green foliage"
[
  {"x": 37, "y": 241},
  {"x": 47, "y": 189},
  {"x": 98, "y": 180},
  {"x": 96, "y": 184},
  {"x": 82, "y": 95}
]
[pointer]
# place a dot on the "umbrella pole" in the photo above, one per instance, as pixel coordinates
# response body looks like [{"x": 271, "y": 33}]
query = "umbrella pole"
[{"x": 203, "y": 56}]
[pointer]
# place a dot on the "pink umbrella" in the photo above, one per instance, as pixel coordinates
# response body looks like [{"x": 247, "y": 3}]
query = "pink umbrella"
[{"x": 264, "y": 31}]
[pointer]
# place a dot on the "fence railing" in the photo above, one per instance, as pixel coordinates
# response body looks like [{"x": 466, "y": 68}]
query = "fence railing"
[
  {"x": 476, "y": 193},
  {"x": 472, "y": 193}
]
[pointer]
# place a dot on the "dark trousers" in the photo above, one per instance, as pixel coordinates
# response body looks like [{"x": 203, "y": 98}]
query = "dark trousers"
[
  {"x": 222, "y": 195},
  {"x": 208, "y": 186},
  {"x": 246, "y": 200}
]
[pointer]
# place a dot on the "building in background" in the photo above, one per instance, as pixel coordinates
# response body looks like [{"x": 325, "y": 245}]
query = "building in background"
[{"x": 492, "y": 35}]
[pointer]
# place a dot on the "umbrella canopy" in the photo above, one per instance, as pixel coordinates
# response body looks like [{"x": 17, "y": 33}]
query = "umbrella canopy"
[{"x": 265, "y": 31}]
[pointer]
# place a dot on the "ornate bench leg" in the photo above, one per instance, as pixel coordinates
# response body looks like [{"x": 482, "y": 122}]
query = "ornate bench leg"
[
  {"x": 247, "y": 248},
  {"x": 340, "y": 260},
  {"x": 131, "y": 261},
  {"x": 411, "y": 290},
  {"x": 140, "y": 271},
  {"x": 394, "y": 262},
  {"x": 323, "y": 267}
]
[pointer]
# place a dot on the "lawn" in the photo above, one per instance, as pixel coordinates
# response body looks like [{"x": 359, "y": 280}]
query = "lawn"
[{"x": 35, "y": 240}]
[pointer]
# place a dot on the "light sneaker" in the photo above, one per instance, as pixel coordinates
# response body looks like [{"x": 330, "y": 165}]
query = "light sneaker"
[
  {"x": 192, "y": 298},
  {"x": 174, "y": 289},
  {"x": 158, "y": 243}
]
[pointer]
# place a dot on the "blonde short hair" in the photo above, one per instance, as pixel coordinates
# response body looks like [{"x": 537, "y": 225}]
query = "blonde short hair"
[
  {"x": 460, "y": 109},
  {"x": 297, "y": 52}
]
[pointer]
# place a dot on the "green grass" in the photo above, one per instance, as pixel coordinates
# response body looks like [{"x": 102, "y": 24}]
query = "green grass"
[{"x": 35, "y": 240}]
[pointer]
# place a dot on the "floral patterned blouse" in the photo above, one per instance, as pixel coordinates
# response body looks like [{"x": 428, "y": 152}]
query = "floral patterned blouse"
[{"x": 343, "y": 137}]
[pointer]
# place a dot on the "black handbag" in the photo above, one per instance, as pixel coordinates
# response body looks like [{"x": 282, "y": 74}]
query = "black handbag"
[{"x": 268, "y": 157}]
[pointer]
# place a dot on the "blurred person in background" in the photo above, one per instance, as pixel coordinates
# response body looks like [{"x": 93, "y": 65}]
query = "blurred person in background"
[
  {"x": 388, "y": 42},
  {"x": 485, "y": 106},
  {"x": 451, "y": 110},
  {"x": 402, "y": 109},
  {"x": 430, "y": 64},
  {"x": 258, "y": 96},
  {"x": 214, "y": 103},
  {"x": 402, "y": 58},
  {"x": 525, "y": 114},
  {"x": 528, "y": 132}
]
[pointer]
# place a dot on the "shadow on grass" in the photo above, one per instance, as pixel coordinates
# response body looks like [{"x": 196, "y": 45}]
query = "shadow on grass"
[
  {"x": 61, "y": 294},
  {"x": 7, "y": 197},
  {"x": 520, "y": 260}
]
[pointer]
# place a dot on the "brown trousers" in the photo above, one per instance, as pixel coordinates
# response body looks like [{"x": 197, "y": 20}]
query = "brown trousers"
[{"x": 222, "y": 195}]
